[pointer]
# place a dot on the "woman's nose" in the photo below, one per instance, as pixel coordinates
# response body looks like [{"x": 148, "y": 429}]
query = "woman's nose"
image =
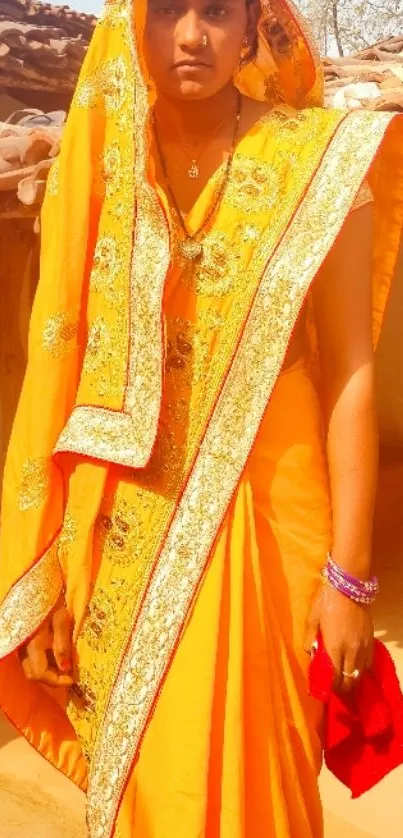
[{"x": 190, "y": 31}]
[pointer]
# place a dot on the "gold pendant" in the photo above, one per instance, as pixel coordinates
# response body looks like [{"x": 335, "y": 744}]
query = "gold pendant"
[
  {"x": 190, "y": 249},
  {"x": 193, "y": 171}
]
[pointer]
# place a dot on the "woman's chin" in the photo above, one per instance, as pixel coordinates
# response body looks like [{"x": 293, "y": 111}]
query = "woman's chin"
[{"x": 191, "y": 90}]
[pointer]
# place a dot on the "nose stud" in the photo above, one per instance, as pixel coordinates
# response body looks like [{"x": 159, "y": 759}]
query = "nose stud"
[{"x": 204, "y": 41}]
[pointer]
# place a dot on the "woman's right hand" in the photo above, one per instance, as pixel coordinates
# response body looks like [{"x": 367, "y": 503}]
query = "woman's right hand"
[{"x": 47, "y": 656}]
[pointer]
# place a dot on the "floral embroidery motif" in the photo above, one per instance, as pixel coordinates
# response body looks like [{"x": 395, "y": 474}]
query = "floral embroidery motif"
[
  {"x": 112, "y": 169},
  {"x": 83, "y": 706},
  {"x": 254, "y": 185},
  {"x": 218, "y": 270},
  {"x": 119, "y": 532},
  {"x": 84, "y": 694},
  {"x": 67, "y": 537},
  {"x": 106, "y": 265},
  {"x": 35, "y": 482},
  {"x": 60, "y": 335},
  {"x": 108, "y": 84},
  {"x": 87, "y": 93},
  {"x": 100, "y": 622},
  {"x": 104, "y": 357},
  {"x": 114, "y": 84}
]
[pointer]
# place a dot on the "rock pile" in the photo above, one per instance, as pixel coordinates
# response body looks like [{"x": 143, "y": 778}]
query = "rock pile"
[{"x": 372, "y": 78}]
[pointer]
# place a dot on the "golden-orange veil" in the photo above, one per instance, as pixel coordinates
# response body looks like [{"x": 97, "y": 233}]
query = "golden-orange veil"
[
  {"x": 92, "y": 390},
  {"x": 92, "y": 393}
]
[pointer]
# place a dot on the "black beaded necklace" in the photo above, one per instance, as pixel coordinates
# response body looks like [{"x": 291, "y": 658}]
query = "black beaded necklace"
[{"x": 190, "y": 247}]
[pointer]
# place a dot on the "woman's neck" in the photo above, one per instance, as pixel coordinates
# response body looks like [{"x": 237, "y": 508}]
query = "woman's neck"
[{"x": 196, "y": 118}]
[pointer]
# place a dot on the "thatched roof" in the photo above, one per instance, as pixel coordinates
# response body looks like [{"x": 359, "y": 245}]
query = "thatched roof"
[
  {"x": 42, "y": 47},
  {"x": 372, "y": 78}
]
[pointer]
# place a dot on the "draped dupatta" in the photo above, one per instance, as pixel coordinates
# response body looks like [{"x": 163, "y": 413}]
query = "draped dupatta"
[
  {"x": 93, "y": 367},
  {"x": 92, "y": 392}
]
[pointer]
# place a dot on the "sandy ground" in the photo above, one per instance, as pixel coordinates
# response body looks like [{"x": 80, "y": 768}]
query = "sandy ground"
[{"x": 38, "y": 802}]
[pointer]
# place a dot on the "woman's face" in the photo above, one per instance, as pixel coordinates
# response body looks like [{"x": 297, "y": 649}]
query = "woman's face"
[{"x": 193, "y": 47}]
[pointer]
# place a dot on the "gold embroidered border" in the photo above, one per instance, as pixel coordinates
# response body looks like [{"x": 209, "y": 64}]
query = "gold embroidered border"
[
  {"x": 222, "y": 457},
  {"x": 30, "y": 601},
  {"x": 98, "y": 431},
  {"x": 149, "y": 268},
  {"x": 106, "y": 435}
]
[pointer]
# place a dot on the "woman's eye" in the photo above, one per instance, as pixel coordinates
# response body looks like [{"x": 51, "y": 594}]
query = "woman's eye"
[
  {"x": 215, "y": 10},
  {"x": 168, "y": 10}
]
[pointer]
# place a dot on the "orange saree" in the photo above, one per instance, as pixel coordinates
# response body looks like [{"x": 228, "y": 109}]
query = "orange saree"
[{"x": 165, "y": 470}]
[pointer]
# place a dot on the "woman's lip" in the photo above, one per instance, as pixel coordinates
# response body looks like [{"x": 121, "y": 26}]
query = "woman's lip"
[{"x": 191, "y": 65}]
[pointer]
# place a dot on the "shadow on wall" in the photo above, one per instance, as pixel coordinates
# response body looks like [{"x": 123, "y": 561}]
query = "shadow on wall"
[
  {"x": 388, "y": 547},
  {"x": 7, "y": 731}
]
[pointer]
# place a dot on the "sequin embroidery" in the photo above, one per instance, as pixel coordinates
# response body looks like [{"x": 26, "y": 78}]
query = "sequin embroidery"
[
  {"x": 60, "y": 335},
  {"x": 35, "y": 482}
]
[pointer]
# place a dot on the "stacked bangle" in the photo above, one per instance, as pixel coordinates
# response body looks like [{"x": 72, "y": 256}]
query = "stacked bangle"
[{"x": 355, "y": 589}]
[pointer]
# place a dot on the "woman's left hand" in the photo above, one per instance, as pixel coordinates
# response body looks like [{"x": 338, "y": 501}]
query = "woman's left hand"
[{"x": 347, "y": 631}]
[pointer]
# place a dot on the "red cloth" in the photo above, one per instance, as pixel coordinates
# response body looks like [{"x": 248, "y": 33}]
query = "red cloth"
[{"x": 363, "y": 729}]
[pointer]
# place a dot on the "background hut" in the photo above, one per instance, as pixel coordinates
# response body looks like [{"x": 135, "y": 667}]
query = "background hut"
[{"x": 42, "y": 48}]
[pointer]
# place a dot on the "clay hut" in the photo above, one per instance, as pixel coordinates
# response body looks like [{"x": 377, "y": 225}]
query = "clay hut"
[{"x": 42, "y": 48}]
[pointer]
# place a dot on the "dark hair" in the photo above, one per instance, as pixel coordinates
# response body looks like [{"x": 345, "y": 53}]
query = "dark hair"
[{"x": 253, "y": 38}]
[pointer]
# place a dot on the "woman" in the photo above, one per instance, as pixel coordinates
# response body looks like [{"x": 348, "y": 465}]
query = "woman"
[{"x": 197, "y": 425}]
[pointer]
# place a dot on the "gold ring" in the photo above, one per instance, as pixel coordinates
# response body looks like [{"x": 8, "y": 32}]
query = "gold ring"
[{"x": 355, "y": 674}]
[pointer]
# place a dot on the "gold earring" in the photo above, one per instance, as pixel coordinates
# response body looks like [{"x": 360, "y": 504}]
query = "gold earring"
[{"x": 245, "y": 51}]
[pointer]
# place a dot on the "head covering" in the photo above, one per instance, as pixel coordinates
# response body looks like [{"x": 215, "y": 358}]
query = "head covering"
[{"x": 287, "y": 66}]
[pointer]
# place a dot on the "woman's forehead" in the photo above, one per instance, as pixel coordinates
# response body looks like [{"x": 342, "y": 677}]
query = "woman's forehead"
[{"x": 197, "y": 4}]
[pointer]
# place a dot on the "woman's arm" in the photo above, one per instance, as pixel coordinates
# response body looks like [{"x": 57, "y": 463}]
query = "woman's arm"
[
  {"x": 343, "y": 309},
  {"x": 343, "y": 313}
]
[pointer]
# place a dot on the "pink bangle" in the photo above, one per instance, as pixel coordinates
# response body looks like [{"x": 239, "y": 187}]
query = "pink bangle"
[{"x": 359, "y": 591}]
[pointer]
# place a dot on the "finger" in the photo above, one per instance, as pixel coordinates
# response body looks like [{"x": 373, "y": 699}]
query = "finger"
[
  {"x": 55, "y": 679},
  {"x": 36, "y": 669},
  {"x": 37, "y": 660},
  {"x": 24, "y": 661},
  {"x": 352, "y": 664},
  {"x": 24, "y": 655},
  {"x": 368, "y": 655},
  {"x": 62, "y": 638},
  {"x": 336, "y": 657},
  {"x": 311, "y": 635}
]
